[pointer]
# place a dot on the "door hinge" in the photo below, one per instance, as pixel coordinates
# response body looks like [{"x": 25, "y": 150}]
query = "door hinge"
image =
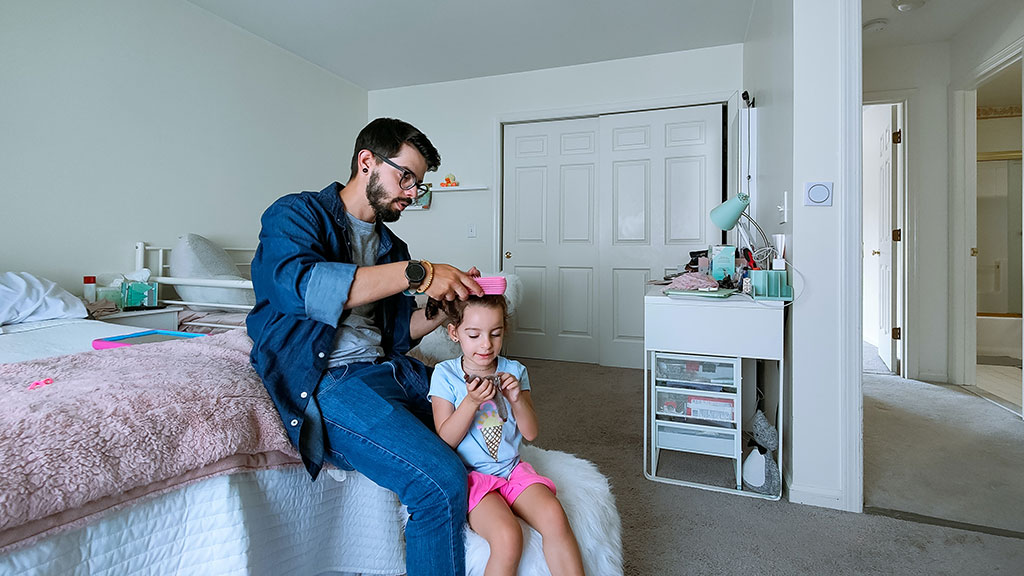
[
  {"x": 897, "y": 235},
  {"x": 896, "y": 333},
  {"x": 897, "y": 137}
]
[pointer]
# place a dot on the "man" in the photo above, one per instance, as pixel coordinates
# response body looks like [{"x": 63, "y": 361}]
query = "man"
[{"x": 333, "y": 319}]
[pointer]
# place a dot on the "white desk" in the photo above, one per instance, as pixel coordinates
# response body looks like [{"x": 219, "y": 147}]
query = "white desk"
[{"x": 700, "y": 352}]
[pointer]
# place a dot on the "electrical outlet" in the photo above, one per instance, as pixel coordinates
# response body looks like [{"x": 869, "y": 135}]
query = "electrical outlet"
[{"x": 471, "y": 231}]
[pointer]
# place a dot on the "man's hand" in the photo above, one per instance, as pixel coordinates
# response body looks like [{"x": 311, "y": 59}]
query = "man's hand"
[{"x": 450, "y": 283}]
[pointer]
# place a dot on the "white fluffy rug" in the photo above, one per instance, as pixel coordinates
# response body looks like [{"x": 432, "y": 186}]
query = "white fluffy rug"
[{"x": 587, "y": 498}]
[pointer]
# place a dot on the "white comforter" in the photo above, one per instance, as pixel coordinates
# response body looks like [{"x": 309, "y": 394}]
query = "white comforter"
[{"x": 48, "y": 338}]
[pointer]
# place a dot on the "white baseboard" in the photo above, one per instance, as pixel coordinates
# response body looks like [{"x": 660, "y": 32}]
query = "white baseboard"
[
  {"x": 936, "y": 377},
  {"x": 823, "y": 497}
]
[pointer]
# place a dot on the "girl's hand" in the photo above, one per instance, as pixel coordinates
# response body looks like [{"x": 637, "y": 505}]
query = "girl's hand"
[
  {"x": 510, "y": 387},
  {"x": 480, "y": 390}
]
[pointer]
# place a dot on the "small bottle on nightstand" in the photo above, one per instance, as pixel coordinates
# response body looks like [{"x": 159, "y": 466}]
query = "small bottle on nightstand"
[{"x": 89, "y": 288}]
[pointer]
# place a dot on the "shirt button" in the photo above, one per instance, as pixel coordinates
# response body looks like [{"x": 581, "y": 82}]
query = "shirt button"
[
  {"x": 320, "y": 355},
  {"x": 303, "y": 395},
  {"x": 295, "y": 422}
]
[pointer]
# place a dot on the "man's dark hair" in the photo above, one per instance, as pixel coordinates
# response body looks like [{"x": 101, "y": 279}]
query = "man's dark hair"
[{"x": 385, "y": 136}]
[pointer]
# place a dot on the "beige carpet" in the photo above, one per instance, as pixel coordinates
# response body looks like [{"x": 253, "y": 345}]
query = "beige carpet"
[
  {"x": 941, "y": 452},
  {"x": 597, "y": 413}
]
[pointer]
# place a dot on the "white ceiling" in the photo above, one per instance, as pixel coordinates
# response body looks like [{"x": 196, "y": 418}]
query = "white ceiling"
[
  {"x": 1003, "y": 89},
  {"x": 936, "y": 21},
  {"x": 390, "y": 43}
]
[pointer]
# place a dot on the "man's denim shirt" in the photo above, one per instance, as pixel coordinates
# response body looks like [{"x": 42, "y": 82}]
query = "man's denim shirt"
[{"x": 302, "y": 274}]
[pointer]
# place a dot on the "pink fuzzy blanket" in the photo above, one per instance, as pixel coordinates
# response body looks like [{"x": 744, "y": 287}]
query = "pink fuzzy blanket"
[{"x": 116, "y": 425}]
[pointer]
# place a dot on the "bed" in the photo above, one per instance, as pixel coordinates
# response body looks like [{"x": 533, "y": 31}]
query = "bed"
[
  {"x": 119, "y": 466},
  {"x": 170, "y": 458}
]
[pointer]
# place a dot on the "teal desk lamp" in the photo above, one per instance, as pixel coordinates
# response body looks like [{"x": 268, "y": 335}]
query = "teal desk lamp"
[{"x": 728, "y": 213}]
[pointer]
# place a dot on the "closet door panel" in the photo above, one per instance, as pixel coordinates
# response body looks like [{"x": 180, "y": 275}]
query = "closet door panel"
[{"x": 662, "y": 173}]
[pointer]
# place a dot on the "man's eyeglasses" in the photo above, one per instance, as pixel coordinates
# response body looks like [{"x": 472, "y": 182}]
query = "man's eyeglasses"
[{"x": 408, "y": 179}]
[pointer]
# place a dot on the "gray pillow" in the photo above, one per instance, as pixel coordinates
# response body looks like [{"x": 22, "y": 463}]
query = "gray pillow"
[{"x": 196, "y": 257}]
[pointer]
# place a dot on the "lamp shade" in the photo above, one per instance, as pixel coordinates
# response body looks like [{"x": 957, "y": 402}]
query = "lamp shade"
[{"x": 726, "y": 214}]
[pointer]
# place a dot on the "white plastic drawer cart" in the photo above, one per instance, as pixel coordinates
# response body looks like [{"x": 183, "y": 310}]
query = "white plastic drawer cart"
[{"x": 700, "y": 375}]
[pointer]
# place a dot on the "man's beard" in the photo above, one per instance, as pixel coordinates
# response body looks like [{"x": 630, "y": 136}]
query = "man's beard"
[{"x": 378, "y": 198}]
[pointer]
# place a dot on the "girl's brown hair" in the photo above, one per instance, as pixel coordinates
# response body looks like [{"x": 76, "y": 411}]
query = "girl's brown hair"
[{"x": 455, "y": 309}]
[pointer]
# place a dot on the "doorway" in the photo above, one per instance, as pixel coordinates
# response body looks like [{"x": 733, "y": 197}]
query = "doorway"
[
  {"x": 882, "y": 254},
  {"x": 998, "y": 374}
]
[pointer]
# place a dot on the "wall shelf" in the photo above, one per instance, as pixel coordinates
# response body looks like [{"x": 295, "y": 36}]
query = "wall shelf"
[{"x": 456, "y": 188}]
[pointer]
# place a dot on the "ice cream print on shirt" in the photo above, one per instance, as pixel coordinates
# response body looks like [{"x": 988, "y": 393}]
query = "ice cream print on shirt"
[{"x": 490, "y": 423}]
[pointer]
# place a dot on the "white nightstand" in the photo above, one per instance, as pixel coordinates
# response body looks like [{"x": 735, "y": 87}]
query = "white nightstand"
[{"x": 160, "y": 319}]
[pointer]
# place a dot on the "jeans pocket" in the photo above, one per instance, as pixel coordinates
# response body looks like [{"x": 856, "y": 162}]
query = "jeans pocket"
[
  {"x": 351, "y": 403},
  {"x": 331, "y": 378}
]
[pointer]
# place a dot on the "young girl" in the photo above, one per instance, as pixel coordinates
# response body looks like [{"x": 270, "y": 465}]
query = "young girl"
[{"x": 482, "y": 408}]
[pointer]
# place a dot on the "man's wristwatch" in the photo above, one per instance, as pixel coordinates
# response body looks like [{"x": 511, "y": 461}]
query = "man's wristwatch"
[{"x": 415, "y": 273}]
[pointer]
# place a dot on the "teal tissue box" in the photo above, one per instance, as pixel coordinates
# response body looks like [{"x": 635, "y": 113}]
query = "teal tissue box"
[{"x": 138, "y": 294}]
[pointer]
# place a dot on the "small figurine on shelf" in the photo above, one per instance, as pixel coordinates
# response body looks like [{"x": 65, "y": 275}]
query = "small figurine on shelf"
[{"x": 449, "y": 181}]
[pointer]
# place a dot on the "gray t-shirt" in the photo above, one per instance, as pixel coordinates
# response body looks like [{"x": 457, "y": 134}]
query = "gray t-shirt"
[{"x": 358, "y": 337}]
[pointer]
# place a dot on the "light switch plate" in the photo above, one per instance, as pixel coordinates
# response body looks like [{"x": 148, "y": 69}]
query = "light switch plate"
[{"x": 817, "y": 193}]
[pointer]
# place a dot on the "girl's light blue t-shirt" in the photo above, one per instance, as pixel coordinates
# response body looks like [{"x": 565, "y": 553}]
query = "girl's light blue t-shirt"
[{"x": 491, "y": 446}]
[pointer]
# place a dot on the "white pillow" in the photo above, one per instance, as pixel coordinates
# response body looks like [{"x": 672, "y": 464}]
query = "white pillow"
[
  {"x": 27, "y": 298},
  {"x": 196, "y": 257}
]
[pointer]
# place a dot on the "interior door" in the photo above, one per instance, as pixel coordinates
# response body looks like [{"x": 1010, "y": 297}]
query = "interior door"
[
  {"x": 662, "y": 172},
  {"x": 887, "y": 258},
  {"x": 549, "y": 237}
]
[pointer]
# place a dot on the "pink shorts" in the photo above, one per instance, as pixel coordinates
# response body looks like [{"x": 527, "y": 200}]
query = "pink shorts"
[{"x": 520, "y": 479}]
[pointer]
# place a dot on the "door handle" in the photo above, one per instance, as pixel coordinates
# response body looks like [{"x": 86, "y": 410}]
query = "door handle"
[
  {"x": 508, "y": 255},
  {"x": 875, "y": 252}
]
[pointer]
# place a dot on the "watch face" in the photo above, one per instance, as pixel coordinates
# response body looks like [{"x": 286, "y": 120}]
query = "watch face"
[{"x": 415, "y": 272}]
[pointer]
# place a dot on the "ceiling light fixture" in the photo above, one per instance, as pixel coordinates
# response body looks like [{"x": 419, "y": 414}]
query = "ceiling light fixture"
[
  {"x": 876, "y": 25},
  {"x": 907, "y": 5}
]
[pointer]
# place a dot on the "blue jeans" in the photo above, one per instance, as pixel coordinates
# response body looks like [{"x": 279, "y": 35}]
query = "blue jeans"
[{"x": 381, "y": 424}]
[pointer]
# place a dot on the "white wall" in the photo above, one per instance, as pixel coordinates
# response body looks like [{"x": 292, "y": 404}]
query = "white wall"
[
  {"x": 461, "y": 119},
  {"x": 768, "y": 77},
  {"x": 125, "y": 121},
  {"x": 920, "y": 75},
  {"x": 999, "y": 134},
  {"x": 820, "y": 413}
]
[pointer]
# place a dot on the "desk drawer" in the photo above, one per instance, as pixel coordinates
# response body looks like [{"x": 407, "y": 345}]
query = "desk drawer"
[
  {"x": 696, "y": 407},
  {"x": 696, "y": 372},
  {"x": 714, "y": 328},
  {"x": 710, "y": 442}
]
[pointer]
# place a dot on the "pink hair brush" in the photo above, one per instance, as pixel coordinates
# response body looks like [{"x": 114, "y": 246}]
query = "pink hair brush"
[{"x": 492, "y": 284}]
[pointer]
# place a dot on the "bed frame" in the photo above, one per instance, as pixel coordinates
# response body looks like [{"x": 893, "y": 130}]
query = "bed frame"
[{"x": 157, "y": 259}]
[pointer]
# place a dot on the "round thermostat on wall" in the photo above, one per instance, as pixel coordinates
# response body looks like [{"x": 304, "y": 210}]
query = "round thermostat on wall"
[{"x": 817, "y": 194}]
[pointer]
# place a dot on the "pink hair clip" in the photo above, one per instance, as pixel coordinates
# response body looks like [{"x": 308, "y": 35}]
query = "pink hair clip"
[
  {"x": 492, "y": 285},
  {"x": 40, "y": 383}
]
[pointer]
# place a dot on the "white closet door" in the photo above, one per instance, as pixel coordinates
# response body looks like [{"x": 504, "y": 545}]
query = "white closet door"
[
  {"x": 549, "y": 237},
  {"x": 593, "y": 208},
  {"x": 661, "y": 174}
]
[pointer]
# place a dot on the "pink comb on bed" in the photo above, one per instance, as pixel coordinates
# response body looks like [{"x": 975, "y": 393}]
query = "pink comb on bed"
[{"x": 492, "y": 284}]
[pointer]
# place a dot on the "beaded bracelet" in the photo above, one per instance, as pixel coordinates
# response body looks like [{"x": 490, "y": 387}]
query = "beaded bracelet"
[{"x": 430, "y": 277}]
